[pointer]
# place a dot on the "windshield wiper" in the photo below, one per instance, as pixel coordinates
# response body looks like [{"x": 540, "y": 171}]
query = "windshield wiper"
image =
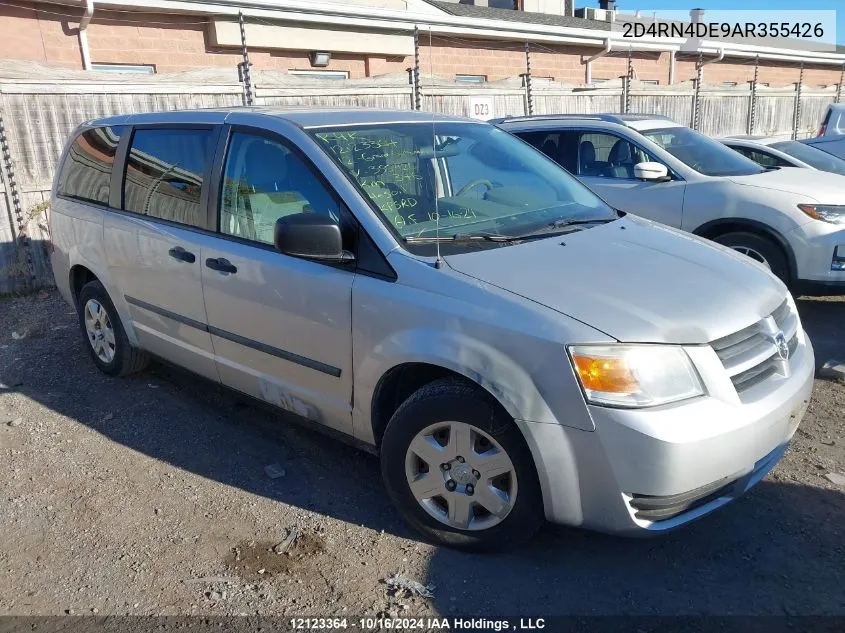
[
  {"x": 563, "y": 223},
  {"x": 461, "y": 238}
]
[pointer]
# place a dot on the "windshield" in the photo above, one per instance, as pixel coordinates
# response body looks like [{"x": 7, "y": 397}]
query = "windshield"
[
  {"x": 812, "y": 156},
  {"x": 702, "y": 153},
  {"x": 479, "y": 178}
]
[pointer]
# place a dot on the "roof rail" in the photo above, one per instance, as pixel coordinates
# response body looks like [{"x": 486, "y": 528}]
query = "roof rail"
[{"x": 611, "y": 118}]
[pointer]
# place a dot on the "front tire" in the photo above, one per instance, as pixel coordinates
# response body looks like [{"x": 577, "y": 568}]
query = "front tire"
[
  {"x": 760, "y": 249},
  {"x": 458, "y": 469},
  {"x": 104, "y": 335}
]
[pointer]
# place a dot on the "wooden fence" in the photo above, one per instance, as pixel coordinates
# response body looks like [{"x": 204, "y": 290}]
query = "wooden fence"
[{"x": 39, "y": 112}]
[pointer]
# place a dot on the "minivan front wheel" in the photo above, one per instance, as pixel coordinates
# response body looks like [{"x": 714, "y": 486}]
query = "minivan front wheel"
[
  {"x": 104, "y": 333},
  {"x": 758, "y": 248},
  {"x": 459, "y": 470}
]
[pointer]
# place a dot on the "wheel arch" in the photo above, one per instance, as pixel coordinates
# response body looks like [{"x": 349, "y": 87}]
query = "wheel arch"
[{"x": 715, "y": 228}]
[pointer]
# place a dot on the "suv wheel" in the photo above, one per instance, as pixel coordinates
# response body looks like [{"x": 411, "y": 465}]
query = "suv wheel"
[
  {"x": 459, "y": 470},
  {"x": 758, "y": 248},
  {"x": 104, "y": 333}
]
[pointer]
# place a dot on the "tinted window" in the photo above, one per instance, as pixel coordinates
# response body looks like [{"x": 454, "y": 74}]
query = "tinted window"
[
  {"x": 761, "y": 158},
  {"x": 702, "y": 153},
  {"x": 812, "y": 156},
  {"x": 561, "y": 147},
  {"x": 86, "y": 172},
  {"x": 264, "y": 181},
  {"x": 164, "y": 174}
]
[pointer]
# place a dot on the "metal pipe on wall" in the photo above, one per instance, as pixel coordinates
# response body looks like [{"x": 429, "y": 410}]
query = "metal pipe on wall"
[
  {"x": 83, "y": 34},
  {"x": 589, "y": 62}
]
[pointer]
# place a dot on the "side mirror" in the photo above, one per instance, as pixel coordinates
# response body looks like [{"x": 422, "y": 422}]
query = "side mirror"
[
  {"x": 651, "y": 172},
  {"x": 311, "y": 236}
]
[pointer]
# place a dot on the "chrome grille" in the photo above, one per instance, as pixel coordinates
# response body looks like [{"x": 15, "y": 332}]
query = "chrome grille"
[{"x": 750, "y": 356}]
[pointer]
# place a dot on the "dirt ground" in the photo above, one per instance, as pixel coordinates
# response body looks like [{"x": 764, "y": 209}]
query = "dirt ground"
[{"x": 150, "y": 496}]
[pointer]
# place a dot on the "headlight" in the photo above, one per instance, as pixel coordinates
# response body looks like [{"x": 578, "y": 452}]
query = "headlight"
[
  {"x": 833, "y": 213},
  {"x": 635, "y": 375}
]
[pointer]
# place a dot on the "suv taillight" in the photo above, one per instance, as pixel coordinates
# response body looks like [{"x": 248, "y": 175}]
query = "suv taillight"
[{"x": 822, "y": 129}]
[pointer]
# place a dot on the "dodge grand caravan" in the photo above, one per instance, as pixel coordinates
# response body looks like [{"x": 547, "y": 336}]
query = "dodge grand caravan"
[{"x": 439, "y": 292}]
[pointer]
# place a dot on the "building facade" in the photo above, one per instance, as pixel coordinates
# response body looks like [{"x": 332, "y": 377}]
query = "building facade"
[{"x": 475, "y": 42}]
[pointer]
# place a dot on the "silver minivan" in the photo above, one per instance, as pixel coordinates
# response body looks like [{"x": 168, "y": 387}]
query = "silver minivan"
[{"x": 438, "y": 292}]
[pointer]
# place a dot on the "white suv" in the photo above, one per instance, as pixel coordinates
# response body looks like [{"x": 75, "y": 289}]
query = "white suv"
[{"x": 792, "y": 221}]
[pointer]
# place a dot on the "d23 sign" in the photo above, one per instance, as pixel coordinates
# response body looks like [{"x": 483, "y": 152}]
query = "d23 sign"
[{"x": 481, "y": 108}]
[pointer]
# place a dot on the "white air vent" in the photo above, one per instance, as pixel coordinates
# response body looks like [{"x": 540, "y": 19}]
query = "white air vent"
[{"x": 600, "y": 15}]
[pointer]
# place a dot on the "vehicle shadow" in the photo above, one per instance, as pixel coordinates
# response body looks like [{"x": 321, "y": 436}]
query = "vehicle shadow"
[
  {"x": 767, "y": 553},
  {"x": 770, "y": 552},
  {"x": 823, "y": 319}
]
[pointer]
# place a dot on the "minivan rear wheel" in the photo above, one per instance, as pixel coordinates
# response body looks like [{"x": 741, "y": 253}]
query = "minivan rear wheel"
[
  {"x": 758, "y": 248},
  {"x": 458, "y": 469},
  {"x": 104, "y": 334}
]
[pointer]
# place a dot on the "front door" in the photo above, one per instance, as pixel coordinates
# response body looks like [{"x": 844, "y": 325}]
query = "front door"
[{"x": 281, "y": 326}]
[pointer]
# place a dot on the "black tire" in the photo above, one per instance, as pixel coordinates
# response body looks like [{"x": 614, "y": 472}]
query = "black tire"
[
  {"x": 453, "y": 399},
  {"x": 127, "y": 360},
  {"x": 769, "y": 250}
]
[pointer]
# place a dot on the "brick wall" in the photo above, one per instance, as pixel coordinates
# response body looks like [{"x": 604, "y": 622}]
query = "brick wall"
[{"x": 174, "y": 43}]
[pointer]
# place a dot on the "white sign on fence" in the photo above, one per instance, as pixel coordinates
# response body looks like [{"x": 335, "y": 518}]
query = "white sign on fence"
[{"x": 481, "y": 108}]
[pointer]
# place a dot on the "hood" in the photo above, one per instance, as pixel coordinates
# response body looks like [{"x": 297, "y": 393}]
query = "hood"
[
  {"x": 817, "y": 186},
  {"x": 634, "y": 280}
]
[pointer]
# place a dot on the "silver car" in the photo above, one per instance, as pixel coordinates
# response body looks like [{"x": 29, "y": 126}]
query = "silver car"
[{"x": 440, "y": 293}]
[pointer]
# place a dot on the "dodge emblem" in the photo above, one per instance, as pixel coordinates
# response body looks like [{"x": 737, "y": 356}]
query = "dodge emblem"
[{"x": 783, "y": 348}]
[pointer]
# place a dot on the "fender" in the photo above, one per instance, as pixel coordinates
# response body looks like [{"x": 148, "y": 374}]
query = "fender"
[
  {"x": 720, "y": 226},
  {"x": 510, "y": 384}
]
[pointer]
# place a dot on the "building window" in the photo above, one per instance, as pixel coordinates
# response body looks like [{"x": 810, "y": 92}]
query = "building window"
[
  {"x": 541, "y": 80},
  {"x": 144, "y": 69},
  {"x": 650, "y": 82},
  {"x": 595, "y": 81},
  {"x": 728, "y": 84},
  {"x": 471, "y": 79},
  {"x": 321, "y": 74}
]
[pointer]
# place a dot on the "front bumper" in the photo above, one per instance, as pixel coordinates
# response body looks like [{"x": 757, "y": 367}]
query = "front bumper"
[
  {"x": 813, "y": 245},
  {"x": 686, "y": 459}
]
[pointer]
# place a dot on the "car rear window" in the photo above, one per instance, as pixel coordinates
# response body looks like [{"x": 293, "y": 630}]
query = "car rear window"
[
  {"x": 86, "y": 172},
  {"x": 164, "y": 174}
]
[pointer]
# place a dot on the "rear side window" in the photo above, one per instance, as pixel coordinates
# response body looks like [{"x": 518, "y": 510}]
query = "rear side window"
[
  {"x": 164, "y": 174},
  {"x": 86, "y": 172}
]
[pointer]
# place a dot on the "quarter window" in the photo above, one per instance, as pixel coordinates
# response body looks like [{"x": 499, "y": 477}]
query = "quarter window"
[
  {"x": 164, "y": 174},
  {"x": 264, "y": 181},
  {"x": 86, "y": 172}
]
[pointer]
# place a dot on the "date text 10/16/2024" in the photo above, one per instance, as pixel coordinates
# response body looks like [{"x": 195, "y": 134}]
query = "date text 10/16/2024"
[{"x": 421, "y": 624}]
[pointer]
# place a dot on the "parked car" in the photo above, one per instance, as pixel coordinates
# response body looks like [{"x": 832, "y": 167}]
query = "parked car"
[
  {"x": 440, "y": 293},
  {"x": 773, "y": 153},
  {"x": 791, "y": 221},
  {"x": 831, "y": 136}
]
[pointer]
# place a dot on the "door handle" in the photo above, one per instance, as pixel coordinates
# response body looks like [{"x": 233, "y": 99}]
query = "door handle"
[
  {"x": 177, "y": 252},
  {"x": 221, "y": 264}
]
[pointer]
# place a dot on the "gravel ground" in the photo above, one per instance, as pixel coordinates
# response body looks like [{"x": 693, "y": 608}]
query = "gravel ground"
[{"x": 150, "y": 496}]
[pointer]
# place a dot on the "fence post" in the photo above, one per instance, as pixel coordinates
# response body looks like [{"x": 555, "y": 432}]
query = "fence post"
[
  {"x": 416, "y": 72},
  {"x": 699, "y": 68},
  {"x": 629, "y": 74},
  {"x": 839, "y": 85},
  {"x": 245, "y": 73},
  {"x": 8, "y": 177},
  {"x": 529, "y": 95},
  {"x": 752, "y": 110},
  {"x": 796, "y": 114}
]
